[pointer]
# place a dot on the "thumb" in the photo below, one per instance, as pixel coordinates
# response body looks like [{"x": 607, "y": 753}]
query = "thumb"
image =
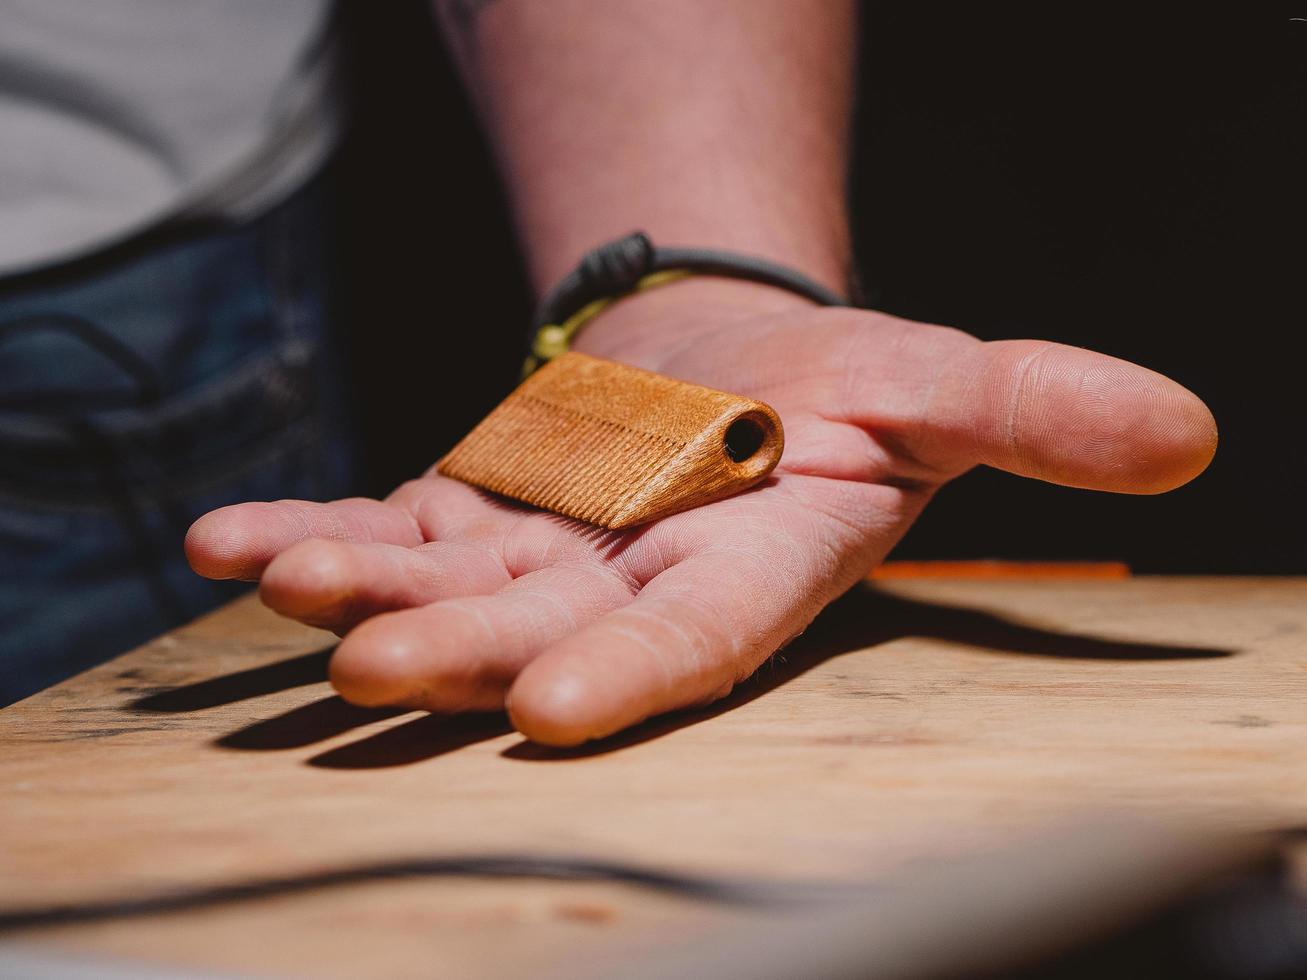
[{"x": 1066, "y": 415}]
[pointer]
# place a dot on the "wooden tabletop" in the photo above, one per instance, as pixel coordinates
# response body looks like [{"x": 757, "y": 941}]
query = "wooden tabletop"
[{"x": 914, "y": 719}]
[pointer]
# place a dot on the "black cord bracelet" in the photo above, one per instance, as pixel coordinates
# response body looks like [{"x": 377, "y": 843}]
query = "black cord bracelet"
[{"x": 633, "y": 262}]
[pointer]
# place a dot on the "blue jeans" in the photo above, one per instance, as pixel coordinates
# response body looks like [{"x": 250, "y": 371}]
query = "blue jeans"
[{"x": 137, "y": 391}]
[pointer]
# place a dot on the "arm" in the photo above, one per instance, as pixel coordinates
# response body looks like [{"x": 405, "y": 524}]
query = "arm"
[
  {"x": 720, "y": 123},
  {"x": 705, "y": 122}
]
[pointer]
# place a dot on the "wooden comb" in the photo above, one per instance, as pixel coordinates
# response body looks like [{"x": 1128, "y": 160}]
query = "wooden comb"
[{"x": 615, "y": 445}]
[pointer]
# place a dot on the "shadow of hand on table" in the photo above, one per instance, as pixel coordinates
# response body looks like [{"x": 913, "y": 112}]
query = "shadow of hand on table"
[
  {"x": 416, "y": 740},
  {"x": 862, "y": 619},
  {"x": 308, "y": 668},
  {"x": 305, "y": 725},
  {"x": 865, "y": 618}
]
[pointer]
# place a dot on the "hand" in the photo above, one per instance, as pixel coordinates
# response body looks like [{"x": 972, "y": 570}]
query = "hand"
[{"x": 451, "y": 600}]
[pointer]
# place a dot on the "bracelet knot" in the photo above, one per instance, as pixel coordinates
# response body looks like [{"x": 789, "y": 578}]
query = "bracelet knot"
[{"x": 617, "y": 266}]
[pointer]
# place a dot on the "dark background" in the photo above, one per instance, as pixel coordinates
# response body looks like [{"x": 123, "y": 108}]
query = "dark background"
[{"x": 1127, "y": 183}]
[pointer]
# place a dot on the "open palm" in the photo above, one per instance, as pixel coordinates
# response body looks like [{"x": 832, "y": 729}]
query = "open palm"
[{"x": 451, "y": 599}]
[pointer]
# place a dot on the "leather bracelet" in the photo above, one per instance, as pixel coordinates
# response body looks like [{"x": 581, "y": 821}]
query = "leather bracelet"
[{"x": 632, "y": 263}]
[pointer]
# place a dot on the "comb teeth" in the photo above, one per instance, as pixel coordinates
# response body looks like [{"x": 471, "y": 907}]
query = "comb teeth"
[
  {"x": 586, "y": 458},
  {"x": 613, "y": 445}
]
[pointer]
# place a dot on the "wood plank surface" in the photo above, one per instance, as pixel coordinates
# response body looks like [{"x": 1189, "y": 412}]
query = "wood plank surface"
[{"x": 915, "y": 719}]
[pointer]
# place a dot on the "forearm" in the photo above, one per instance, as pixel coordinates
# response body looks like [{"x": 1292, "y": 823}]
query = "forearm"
[{"x": 707, "y": 122}]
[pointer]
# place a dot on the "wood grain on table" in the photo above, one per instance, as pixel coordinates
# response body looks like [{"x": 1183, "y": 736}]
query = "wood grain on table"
[{"x": 915, "y": 719}]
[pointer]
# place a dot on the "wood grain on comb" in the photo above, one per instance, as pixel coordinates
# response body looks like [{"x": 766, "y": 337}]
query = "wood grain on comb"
[{"x": 615, "y": 445}]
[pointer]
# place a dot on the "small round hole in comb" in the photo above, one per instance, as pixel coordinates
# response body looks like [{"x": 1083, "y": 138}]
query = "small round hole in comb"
[{"x": 744, "y": 438}]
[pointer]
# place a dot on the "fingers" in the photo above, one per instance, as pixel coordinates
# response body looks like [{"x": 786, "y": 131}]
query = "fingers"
[
  {"x": 691, "y": 634},
  {"x": 239, "y": 541},
  {"x": 462, "y": 654},
  {"x": 337, "y": 584},
  {"x": 1065, "y": 415}
]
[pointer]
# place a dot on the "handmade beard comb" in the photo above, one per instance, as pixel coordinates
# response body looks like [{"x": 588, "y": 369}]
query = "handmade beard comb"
[{"x": 615, "y": 445}]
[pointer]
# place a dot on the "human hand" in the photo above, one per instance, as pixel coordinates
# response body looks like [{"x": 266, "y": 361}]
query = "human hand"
[{"x": 451, "y": 600}]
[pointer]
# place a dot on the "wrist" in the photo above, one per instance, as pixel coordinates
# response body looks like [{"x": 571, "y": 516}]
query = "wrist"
[{"x": 640, "y": 327}]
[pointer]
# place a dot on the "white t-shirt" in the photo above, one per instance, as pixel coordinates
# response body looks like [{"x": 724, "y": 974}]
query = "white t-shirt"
[{"x": 119, "y": 115}]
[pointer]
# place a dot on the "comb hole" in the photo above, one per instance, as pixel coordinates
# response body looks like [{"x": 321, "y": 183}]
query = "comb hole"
[{"x": 744, "y": 437}]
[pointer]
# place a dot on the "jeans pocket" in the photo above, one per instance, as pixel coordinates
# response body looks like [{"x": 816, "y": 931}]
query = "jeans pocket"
[
  {"x": 93, "y": 509},
  {"x": 189, "y": 444}
]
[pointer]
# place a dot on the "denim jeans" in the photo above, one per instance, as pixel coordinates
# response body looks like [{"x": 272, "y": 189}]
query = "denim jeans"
[{"x": 137, "y": 391}]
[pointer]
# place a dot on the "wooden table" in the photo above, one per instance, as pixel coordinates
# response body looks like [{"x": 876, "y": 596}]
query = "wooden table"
[{"x": 915, "y": 719}]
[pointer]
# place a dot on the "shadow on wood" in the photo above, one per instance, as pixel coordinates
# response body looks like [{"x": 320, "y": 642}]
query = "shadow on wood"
[
  {"x": 309, "y": 668},
  {"x": 414, "y": 741},
  {"x": 306, "y": 724}
]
